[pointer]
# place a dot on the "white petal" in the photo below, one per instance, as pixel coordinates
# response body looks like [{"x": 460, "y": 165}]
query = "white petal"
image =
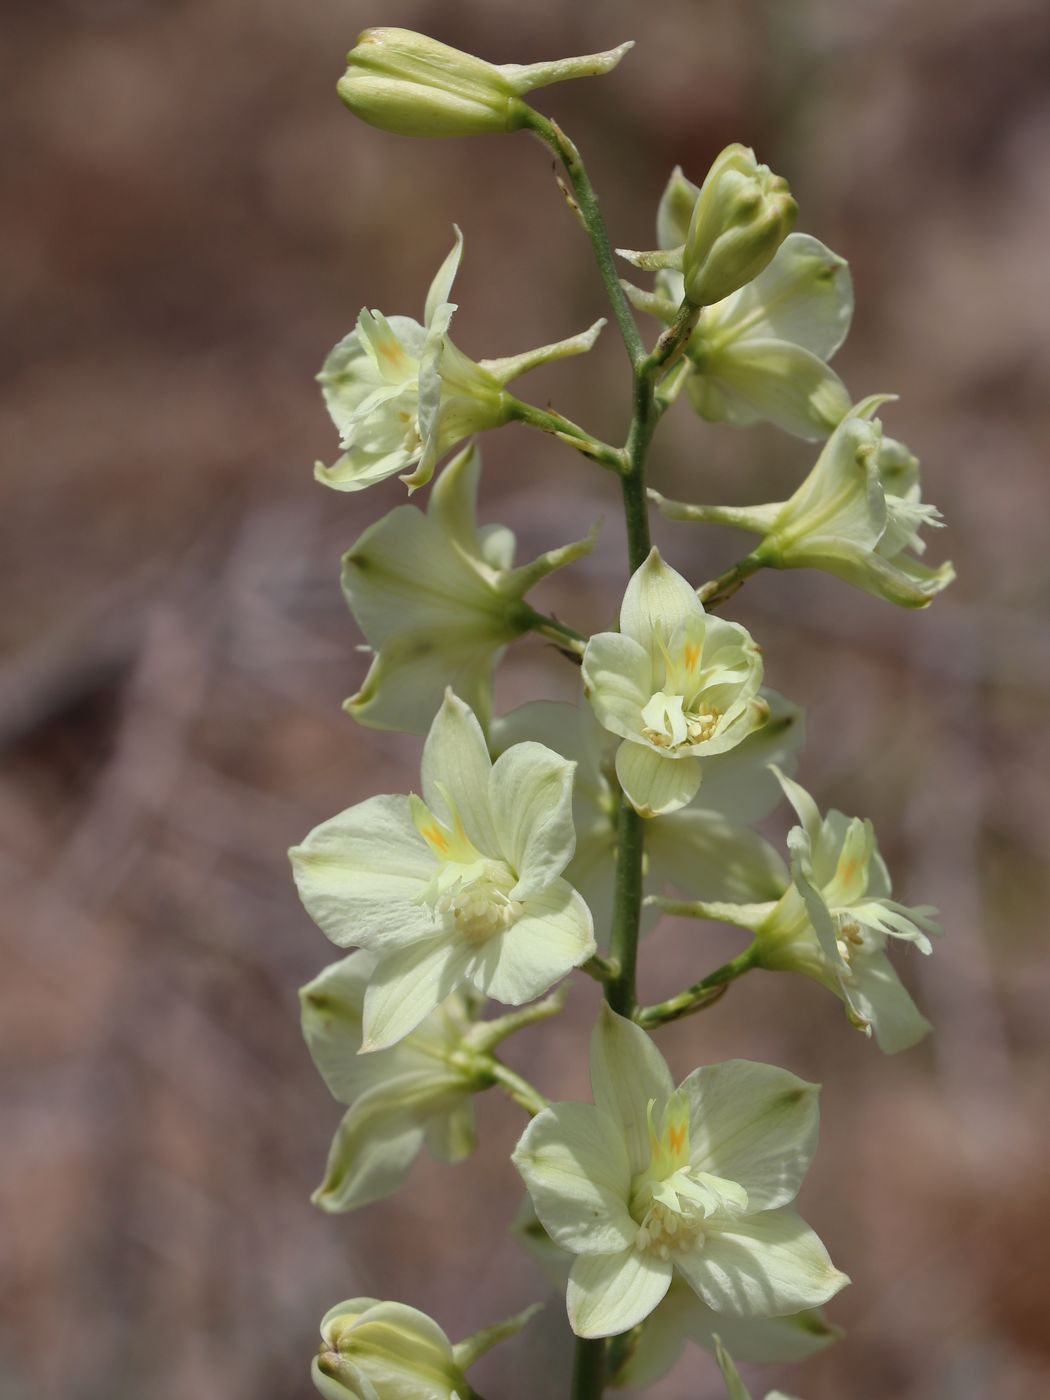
[
  {"x": 611, "y": 1293},
  {"x": 739, "y": 784},
  {"x": 655, "y": 784},
  {"x": 764, "y": 1265},
  {"x": 753, "y": 1124},
  {"x": 456, "y": 763},
  {"x": 574, "y": 1162},
  {"x": 360, "y": 875},
  {"x": 708, "y": 858},
  {"x": 877, "y": 994},
  {"x": 375, "y": 1145},
  {"x": 453, "y": 503},
  {"x": 658, "y": 599},
  {"x": 441, "y": 286},
  {"x": 530, "y": 795},
  {"x": 779, "y": 383},
  {"x": 805, "y": 296},
  {"x": 552, "y": 936},
  {"x": 406, "y": 682},
  {"x": 627, "y": 1073},
  {"x": 617, "y": 680},
  {"x": 407, "y": 985}
]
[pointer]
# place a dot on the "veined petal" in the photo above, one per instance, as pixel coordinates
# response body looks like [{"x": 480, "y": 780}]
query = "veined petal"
[
  {"x": 530, "y": 797},
  {"x": 361, "y": 873},
  {"x": 655, "y": 785},
  {"x": 406, "y": 986},
  {"x": 627, "y": 1074},
  {"x": 611, "y": 1293},
  {"x": 657, "y": 601},
  {"x": 617, "y": 680},
  {"x": 875, "y": 994},
  {"x": 406, "y": 682},
  {"x": 706, "y": 857},
  {"x": 764, "y": 1265},
  {"x": 553, "y": 935},
  {"x": 456, "y": 769},
  {"x": 739, "y": 784},
  {"x": 754, "y": 1124},
  {"x": 357, "y": 469},
  {"x": 771, "y": 381},
  {"x": 804, "y": 296},
  {"x": 453, "y": 504},
  {"x": 574, "y": 1163},
  {"x": 376, "y": 1143}
]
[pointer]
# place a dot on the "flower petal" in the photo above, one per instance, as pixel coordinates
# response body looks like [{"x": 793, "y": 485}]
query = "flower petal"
[
  {"x": 360, "y": 875},
  {"x": 658, "y": 600},
  {"x": 441, "y": 286},
  {"x": 456, "y": 767},
  {"x": 408, "y": 984},
  {"x": 407, "y": 680},
  {"x": 530, "y": 796},
  {"x": 876, "y": 994},
  {"x": 552, "y": 936},
  {"x": 804, "y": 296},
  {"x": 611, "y": 1293},
  {"x": 655, "y": 784},
  {"x": 627, "y": 1074},
  {"x": 617, "y": 680},
  {"x": 574, "y": 1163},
  {"x": 375, "y": 1144},
  {"x": 753, "y": 1124},
  {"x": 772, "y": 381},
  {"x": 708, "y": 858},
  {"x": 764, "y": 1265}
]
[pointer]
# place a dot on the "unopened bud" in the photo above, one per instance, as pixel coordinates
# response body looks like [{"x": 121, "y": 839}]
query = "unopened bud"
[
  {"x": 742, "y": 216},
  {"x": 412, "y": 85}
]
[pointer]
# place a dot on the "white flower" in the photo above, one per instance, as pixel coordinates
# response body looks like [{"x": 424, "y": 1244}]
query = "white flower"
[
  {"x": 460, "y": 886},
  {"x": 676, "y": 684},
  {"x": 704, "y": 850},
  {"x": 761, "y": 355},
  {"x": 402, "y": 395},
  {"x": 438, "y": 599},
  {"x": 650, "y": 1181},
  {"x": 834, "y": 920},
  {"x": 399, "y": 1099},
  {"x": 683, "y": 1318},
  {"x": 856, "y": 515}
]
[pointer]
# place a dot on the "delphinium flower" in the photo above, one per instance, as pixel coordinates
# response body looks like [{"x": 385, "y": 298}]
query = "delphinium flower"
[
  {"x": 461, "y": 885},
  {"x": 761, "y": 354},
  {"x": 676, "y": 684},
  {"x": 417, "y": 1092},
  {"x": 438, "y": 598},
  {"x": 857, "y": 515},
  {"x": 651, "y": 1181},
  {"x": 402, "y": 394},
  {"x": 835, "y": 920},
  {"x": 705, "y": 850}
]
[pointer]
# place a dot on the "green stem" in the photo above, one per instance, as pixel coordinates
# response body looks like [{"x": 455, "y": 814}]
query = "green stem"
[
  {"x": 719, "y": 590},
  {"x": 630, "y": 846},
  {"x": 560, "y": 633},
  {"x": 519, "y": 1089},
  {"x": 548, "y": 421},
  {"x": 700, "y": 994},
  {"x": 587, "y": 202},
  {"x": 588, "y": 1372},
  {"x": 601, "y": 969}
]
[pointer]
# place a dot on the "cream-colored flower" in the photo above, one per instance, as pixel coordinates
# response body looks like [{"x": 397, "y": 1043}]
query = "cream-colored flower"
[
  {"x": 460, "y": 886},
  {"x": 402, "y": 394},
  {"x": 438, "y": 598},
  {"x": 675, "y": 683},
  {"x": 651, "y": 1181}
]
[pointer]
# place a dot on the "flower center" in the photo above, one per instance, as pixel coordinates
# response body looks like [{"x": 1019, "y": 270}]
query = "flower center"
[
  {"x": 669, "y": 725},
  {"x": 664, "y": 1230},
  {"x": 474, "y": 900}
]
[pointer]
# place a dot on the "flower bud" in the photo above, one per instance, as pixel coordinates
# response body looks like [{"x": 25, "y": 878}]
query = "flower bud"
[
  {"x": 742, "y": 216},
  {"x": 384, "y": 1351},
  {"x": 412, "y": 85}
]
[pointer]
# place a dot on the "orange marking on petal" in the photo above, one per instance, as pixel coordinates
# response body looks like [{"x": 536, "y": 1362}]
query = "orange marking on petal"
[
  {"x": 436, "y": 837},
  {"x": 692, "y": 655},
  {"x": 676, "y": 1137}
]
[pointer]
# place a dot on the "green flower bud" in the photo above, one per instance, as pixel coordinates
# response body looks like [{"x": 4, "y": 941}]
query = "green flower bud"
[
  {"x": 412, "y": 85},
  {"x": 385, "y": 1351},
  {"x": 742, "y": 216}
]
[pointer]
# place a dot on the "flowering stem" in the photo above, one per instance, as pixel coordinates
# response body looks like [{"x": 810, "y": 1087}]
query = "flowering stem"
[
  {"x": 587, "y": 202},
  {"x": 700, "y": 994},
  {"x": 601, "y": 969},
  {"x": 630, "y": 845},
  {"x": 563, "y": 636},
  {"x": 719, "y": 590},
  {"x": 519, "y": 1089},
  {"x": 588, "y": 1372}
]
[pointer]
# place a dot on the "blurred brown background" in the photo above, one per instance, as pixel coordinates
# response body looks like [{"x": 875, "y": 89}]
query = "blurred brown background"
[{"x": 191, "y": 220}]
